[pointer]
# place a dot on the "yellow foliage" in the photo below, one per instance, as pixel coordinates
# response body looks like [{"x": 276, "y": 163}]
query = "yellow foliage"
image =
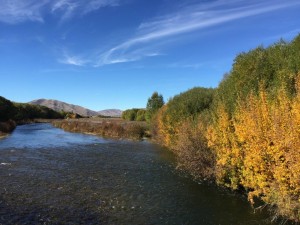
[
  {"x": 221, "y": 138},
  {"x": 161, "y": 126},
  {"x": 166, "y": 129},
  {"x": 267, "y": 131},
  {"x": 259, "y": 148}
]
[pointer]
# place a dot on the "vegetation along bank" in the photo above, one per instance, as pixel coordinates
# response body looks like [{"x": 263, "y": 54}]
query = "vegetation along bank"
[
  {"x": 105, "y": 127},
  {"x": 244, "y": 134},
  {"x": 12, "y": 114}
]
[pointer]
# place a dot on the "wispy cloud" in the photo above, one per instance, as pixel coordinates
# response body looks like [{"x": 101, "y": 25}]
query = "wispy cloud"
[
  {"x": 187, "y": 19},
  {"x": 70, "y": 8},
  {"x": 117, "y": 55},
  {"x": 65, "y": 7},
  {"x": 97, "y": 4},
  {"x": 17, "y": 11},
  {"x": 72, "y": 60}
]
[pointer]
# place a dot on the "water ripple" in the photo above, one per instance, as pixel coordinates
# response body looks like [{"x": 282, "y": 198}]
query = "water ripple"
[{"x": 49, "y": 176}]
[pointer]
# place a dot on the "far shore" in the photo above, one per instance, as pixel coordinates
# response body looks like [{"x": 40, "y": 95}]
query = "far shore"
[
  {"x": 105, "y": 127},
  {"x": 3, "y": 136}
]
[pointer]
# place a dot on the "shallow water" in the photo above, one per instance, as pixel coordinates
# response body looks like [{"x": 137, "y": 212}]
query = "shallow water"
[{"x": 49, "y": 176}]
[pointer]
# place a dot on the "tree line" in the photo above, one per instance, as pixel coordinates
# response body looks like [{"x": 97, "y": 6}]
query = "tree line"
[
  {"x": 13, "y": 113},
  {"x": 155, "y": 102}
]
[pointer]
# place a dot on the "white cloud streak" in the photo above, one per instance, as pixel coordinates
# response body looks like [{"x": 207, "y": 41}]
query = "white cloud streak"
[
  {"x": 18, "y": 11},
  {"x": 97, "y": 4},
  {"x": 66, "y": 8},
  {"x": 188, "y": 19},
  {"x": 72, "y": 60}
]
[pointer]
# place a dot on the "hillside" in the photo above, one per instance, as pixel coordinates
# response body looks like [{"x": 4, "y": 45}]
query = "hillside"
[
  {"x": 66, "y": 107},
  {"x": 111, "y": 112},
  {"x": 12, "y": 113}
]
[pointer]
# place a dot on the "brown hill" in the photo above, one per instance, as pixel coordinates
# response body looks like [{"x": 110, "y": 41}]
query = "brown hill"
[
  {"x": 63, "y": 106},
  {"x": 66, "y": 107},
  {"x": 111, "y": 112}
]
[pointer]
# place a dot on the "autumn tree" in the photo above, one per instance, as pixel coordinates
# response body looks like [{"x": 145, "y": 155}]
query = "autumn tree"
[{"x": 187, "y": 105}]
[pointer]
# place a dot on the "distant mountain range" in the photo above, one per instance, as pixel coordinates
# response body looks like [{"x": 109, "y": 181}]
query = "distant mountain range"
[{"x": 66, "y": 107}]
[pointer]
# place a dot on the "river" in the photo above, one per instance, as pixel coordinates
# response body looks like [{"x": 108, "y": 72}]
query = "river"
[{"x": 49, "y": 176}]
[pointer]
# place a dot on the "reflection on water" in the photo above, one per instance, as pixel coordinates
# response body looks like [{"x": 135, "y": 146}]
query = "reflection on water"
[{"x": 49, "y": 176}]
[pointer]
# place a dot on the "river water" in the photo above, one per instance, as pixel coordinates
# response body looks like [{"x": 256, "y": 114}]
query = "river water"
[{"x": 49, "y": 176}]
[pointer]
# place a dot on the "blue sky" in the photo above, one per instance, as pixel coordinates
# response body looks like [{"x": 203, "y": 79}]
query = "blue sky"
[{"x": 104, "y": 54}]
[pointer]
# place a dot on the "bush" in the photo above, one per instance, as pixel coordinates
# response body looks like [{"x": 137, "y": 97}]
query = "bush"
[
  {"x": 105, "y": 128},
  {"x": 7, "y": 127},
  {"x": 130, "y": 114},
  {"x": 141, "y": 115},
  {"x": 193, "y": 153},
  {"x": 270, "y": 67},
  {"x": 183, "y": 106},
  {"x": 258, "y": 148}
]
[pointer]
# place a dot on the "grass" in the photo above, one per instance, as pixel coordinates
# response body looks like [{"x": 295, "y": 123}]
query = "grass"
[{"x": 105, "y": 127}]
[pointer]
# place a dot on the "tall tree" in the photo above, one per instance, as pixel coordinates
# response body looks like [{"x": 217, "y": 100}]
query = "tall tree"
[{"x": 155, "y": 102}]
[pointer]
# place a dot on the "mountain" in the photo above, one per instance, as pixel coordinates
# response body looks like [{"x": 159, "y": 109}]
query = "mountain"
[
  {"x": 111, "y": 112},
  {"x": 63, "y": 106},
  {"x": 66, "y": 107}
]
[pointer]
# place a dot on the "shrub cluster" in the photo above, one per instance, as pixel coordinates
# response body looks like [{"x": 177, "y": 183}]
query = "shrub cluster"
[
  {"x": 134, "y": 114},
  {"x": 105, "y": 128},
  {"x": 7, "y": 127}
]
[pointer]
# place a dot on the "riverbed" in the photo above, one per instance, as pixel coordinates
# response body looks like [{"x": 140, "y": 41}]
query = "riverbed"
[{"x": 49, "y": 176}]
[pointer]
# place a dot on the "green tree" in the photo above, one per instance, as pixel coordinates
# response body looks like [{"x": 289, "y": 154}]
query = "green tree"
[
  {"x": 130, "y": 114},
  {"x": 155, "y": 102},
  {"x": 7, "y": 109},
  {"x": 269, "y": 67},
  {"x": 185, "y": 106},
  {"x": 141, "y": 115}
]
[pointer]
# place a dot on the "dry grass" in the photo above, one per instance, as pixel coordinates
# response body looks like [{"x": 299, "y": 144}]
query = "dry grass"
[{"x": 106, "y": 127}]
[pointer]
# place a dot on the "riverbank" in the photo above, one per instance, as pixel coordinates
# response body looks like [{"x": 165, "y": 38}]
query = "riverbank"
[
  {"x": 105, "y": 127},
  {"x": 3, "y": 135},
  {"x": 7, "y": 127}
]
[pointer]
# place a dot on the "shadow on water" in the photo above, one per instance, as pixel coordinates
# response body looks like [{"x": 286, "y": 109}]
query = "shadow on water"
[{"x": 49, "y": 176}]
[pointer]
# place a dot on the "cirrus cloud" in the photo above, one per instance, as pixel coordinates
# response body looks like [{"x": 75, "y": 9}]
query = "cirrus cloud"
[
  {"x": 187, "y": 19},
  {"x": 18, "y": 11}
]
